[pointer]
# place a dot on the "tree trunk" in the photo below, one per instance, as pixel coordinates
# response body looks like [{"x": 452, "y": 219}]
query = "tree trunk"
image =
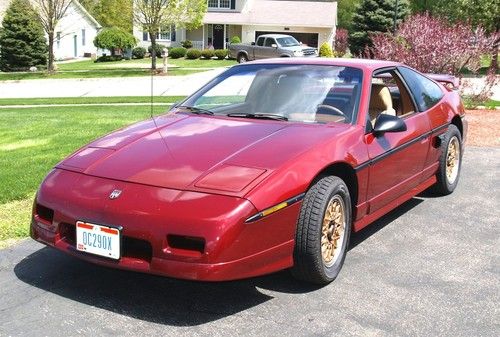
[
  {"x": 50, "y": 67},
  {"x": 153, "y": 52},
  {"x": 494, "y": 56}
]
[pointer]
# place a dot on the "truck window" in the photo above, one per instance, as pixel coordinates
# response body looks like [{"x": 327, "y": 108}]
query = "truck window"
[
  {"x": 269, "y": 42},
  {"x": 260, "y": 41}
]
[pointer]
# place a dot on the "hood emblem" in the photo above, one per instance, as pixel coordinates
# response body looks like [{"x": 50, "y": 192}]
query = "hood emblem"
[{"x": 115, "y": 194}]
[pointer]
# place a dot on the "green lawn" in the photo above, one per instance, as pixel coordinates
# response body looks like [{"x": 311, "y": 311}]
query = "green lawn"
[
  {"x": 125, "y": 68},
  {"x": 32, "y": 140},
  {"x": 89, "y": 100}
]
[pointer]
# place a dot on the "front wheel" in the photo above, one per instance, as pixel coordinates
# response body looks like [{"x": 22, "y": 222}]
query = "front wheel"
[
  {"x": 450, "y": 162},
  {"x": 323, "y": 231}
]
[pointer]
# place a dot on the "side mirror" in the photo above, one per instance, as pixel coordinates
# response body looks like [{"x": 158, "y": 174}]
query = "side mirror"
[
  {"x": 274, "y": 45},
  {"x": 388, "y": 123},
  {"x": 253, "y": 43}
]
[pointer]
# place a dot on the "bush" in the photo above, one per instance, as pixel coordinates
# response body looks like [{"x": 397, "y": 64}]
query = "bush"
[
  {"x": 138, "y": 53},
  {"x": 114, "y": 39},
  {"x": 193, "y": 54},
  {"x": 207, "y": 53},
  {"x": 325, "y": 50},
  {"x": 341, "y": 42},
  {"x": 109, "y": 58},
  {"x": 177, "y": 52},
  {"x": 22, "y": 39},
  {"x": 159, "y": 49},
  {"x": 235, "y": 39},
  {"x": 187, "y": 44},
  {"x": 220, "y": 53}
]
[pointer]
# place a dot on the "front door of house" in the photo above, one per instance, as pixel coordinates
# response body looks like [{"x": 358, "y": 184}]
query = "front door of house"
[
  {"x": 75, "y": 45},
  {"x": 218, "y": 33}
]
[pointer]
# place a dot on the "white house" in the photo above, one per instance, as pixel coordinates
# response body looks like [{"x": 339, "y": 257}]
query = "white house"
[
  {"x": 75, "y": 32},
  {"x": 311, "y": 22}
]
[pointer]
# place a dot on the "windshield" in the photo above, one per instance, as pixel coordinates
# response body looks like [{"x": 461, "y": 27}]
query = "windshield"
[
  {"x": 299, "y": 93},
  {"x": 287, "y": 41}
]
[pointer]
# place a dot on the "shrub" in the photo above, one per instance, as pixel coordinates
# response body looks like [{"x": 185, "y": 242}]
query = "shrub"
[
  {"x": 138, "y": 53},
  {"x": 109, "y": 58},
  {"x": 193, "y": 54},
  {"x": 114, "y": 39},
  {"x": 220, "y": 53},
  {"x": 177, "y": 52},
  {"x": 235, "y": 39},
  {"x": 159, "y": 49},
  {"x": 207, "y": 53},
  {"x": 22, "y": 39},
  {"x": 325, "y": 50},
  {"x": 187, "y": 44},
  {"x": 341, "y": 42}
]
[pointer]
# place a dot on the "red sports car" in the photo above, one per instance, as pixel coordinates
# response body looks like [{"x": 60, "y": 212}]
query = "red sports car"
[{"x": 269, "y": 166}]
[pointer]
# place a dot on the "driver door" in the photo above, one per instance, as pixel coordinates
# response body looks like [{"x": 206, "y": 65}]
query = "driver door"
[{"x": 397, "y": 159}]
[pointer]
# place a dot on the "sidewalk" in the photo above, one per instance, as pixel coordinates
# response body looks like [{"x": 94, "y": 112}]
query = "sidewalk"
[{"x": 107, "y": 87}]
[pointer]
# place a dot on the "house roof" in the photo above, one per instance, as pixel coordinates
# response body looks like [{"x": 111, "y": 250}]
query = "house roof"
[
  {"x": 87, "y": 14},
  {"x": 279, "y": 13}
]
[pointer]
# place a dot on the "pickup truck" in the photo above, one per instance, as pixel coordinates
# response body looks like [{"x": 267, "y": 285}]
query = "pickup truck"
[{"x": 269, "y": 46}]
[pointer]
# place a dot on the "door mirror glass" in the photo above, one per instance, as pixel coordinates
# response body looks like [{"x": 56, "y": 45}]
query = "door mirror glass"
[
  {"x": 388, "y": 123},
  {"x": 253, "y": 43}
]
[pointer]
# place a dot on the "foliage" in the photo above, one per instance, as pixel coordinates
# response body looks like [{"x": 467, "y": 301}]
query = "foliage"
[
  {"x": 50, "y": 12},
  {"x": 114, "y": 39},
  {"x": 109, "y": 58},
  {"x": 193, "y": 54},
  {"x": 154, "y": 14},
  {"x": 159, "y": 49},
  {"x": 345, "y": 11},
  {"x": 111, "y": 13},
  {"x": 220, "y": 53},
  {"x": 325, "y": 50},
  {"x": 341, "y": 42},
  {"x": 187, "y": 44},
  {"x": 374, "y": 16},
  {"x": 208, "y": 53},
  {"x": 415, "y": 44},
  {"x": 235, "y": 39},
  {"x": 177, "y": 52},
  {"x": 138, "y": 53},
  {"x": 22, "y": 39}
]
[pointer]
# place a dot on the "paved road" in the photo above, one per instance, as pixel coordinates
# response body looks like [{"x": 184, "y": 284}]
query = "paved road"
[{"x": 430, "y": 268}]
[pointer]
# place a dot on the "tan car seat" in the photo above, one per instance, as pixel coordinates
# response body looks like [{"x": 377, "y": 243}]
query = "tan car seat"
[{"x": 380, "y": 102}]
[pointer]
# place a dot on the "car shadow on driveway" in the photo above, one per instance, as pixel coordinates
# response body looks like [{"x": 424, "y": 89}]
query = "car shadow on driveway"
[{"x": 159, "y": 299}]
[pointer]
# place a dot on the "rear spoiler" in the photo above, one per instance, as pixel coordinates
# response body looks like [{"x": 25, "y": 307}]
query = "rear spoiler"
[{"x": 448, "y": 81}]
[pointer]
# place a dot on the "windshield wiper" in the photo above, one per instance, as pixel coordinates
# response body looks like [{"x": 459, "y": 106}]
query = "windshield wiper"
[
  {"x": 258, "y": 116},
  {"x": 196, "y": 110}
]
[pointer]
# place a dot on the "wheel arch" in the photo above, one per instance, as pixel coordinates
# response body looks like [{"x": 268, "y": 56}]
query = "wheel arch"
[
  {"x": 457, "y": 121},
  {"x": 345, "y": 172},
  {"x": 242, "y": 52}
]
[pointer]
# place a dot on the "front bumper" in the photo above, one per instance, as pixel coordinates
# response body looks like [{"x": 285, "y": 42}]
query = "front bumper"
[{"x": 150, "y": 216}]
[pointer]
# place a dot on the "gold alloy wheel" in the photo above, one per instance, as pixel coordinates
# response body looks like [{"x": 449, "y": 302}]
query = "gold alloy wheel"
[
  {"x": 452, "y": 160},
  {"x": 333, "y": 230}
]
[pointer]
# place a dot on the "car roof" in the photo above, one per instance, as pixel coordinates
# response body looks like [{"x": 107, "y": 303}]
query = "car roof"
[
  {"x": 367, "y": 64},
  {"x": 274, "y": 35}
]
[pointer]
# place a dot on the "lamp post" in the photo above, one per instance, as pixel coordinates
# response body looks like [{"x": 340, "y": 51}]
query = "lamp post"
[{"x": 395, "y": 17}]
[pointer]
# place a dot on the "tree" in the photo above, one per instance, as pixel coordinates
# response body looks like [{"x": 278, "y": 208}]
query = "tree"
[
  {"x": 152, "y": 15},
  {"x": 373, "y": 16},
  {"x": 22, "y": 39},
  {"x": 111, "y": 13},
  {"x": 345, "y": 11},
  {"x": 114, "y": 39},
  {"x": 50, "y": 12},
  {"x": 341, "y": 42}
]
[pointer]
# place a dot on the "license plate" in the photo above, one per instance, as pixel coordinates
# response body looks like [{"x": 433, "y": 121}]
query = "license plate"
[{"x": 97, "y": 239}]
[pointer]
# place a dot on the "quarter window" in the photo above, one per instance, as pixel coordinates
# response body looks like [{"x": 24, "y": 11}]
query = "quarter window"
[{"x": 425, "y": 91}]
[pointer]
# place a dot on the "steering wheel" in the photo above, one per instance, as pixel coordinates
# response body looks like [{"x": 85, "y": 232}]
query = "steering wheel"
[{"x": 337, "y": 111}]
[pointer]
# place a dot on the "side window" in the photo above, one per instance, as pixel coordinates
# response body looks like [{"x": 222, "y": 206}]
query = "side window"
[
  {"x": 426, "y": 92},
  {"x": 269, "y": 42},
  {"x": 260, "y": 41}
]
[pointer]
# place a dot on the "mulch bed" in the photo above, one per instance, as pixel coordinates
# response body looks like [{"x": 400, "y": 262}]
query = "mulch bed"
[{"x": 484, "y": 127}]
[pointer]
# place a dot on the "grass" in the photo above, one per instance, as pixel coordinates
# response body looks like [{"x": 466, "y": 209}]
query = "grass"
[
  {"x": 33, "y": 140},
  {"x": 88, "y": 100},
  {"x": 125, "y": 68}
]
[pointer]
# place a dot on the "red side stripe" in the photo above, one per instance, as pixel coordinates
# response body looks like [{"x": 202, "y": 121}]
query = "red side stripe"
[
  {"x": 84, "y": 225},
  {"x": 109, "y": 230}
]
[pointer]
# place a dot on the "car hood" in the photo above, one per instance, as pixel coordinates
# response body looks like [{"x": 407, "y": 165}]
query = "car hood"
[{"x": 203, "y": 153}]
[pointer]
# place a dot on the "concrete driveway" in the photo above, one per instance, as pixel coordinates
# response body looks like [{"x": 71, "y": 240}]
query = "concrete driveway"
[{"x": 429, "y": 268}]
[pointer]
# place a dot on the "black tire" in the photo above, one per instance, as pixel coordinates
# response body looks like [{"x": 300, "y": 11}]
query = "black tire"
[
  {"x": 309, "y": 263},
  {"x": 446, "y": 183},
  {"x": 242, "y": 58}
]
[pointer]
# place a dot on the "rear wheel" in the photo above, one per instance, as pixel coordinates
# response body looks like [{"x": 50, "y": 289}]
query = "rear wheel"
[
  {"x": 242, "y": 58},
  {"x": 323, "y": 231},
  {"x": 450, "y": 162}
]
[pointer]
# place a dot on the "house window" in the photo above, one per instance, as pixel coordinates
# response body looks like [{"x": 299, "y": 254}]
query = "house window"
[
  {"x": 225, "y": 4},
  {"x": 83, "y": 37},
  {"x": 165, "y": 34},
  {"x": 58, "y": 39}
]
